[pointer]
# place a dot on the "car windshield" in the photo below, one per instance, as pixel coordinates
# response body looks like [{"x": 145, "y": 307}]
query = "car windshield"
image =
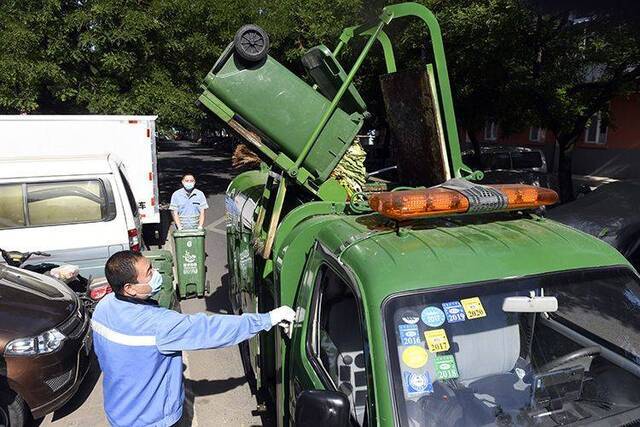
[{"x": 474, "y": 355}]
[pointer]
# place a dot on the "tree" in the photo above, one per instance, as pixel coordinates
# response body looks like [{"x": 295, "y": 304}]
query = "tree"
[
  {"x": 140, "y": 57},
  {"x": 521, "y": 66}
]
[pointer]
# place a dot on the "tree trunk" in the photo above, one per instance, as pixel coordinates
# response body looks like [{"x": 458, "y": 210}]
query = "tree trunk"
[{"x": 565, "y": 167}]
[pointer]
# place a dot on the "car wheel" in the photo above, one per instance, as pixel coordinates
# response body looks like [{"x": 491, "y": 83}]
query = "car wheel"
[{"x": 13, "y": 410}]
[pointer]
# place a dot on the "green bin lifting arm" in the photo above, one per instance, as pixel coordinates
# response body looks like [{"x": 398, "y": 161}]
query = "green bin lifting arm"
[{"x": 376, "y": 32}]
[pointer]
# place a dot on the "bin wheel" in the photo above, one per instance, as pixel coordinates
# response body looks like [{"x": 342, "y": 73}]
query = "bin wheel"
[{"x": 251, "y": 43}]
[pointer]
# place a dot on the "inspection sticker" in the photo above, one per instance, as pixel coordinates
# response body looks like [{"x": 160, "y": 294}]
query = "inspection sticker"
[
  {"x": 432, "y": 316},
  {"x": 437, "y": 340},
  {"x": 417, "y": 384},
  {"x": 454, "y": 311},
  {"x": 415, "y": 356},
  {"x": 446, "y": 368},
  {"x": 473, "y": 307},
  {"x": 410, "y": 317},
  {"x": 409, "y": 334}
]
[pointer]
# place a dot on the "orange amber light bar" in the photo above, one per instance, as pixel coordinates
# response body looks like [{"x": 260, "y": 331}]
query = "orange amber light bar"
[
  {"x": 442, "y": 201},
  {"x": 526, "y": 196},
  {"x": 436, "y": 201}
]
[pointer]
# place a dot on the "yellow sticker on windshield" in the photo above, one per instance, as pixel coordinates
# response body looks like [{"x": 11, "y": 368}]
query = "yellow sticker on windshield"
[
  {"x": 415, "y": 356},
  {"x": 473, "y": 307},
  {"x": 437, "y": 340}
]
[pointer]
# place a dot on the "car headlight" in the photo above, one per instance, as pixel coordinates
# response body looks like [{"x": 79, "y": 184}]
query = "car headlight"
[{"x": 47, "y": 342}]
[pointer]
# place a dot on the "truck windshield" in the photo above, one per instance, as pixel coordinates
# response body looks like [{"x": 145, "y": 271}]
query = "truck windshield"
[{"x": 464, "y": 356}]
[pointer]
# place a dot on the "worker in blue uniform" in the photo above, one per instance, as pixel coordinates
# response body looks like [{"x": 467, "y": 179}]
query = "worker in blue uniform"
[
  {"x": 139, "y": 344},
  {"x": 188, "y": 205}
]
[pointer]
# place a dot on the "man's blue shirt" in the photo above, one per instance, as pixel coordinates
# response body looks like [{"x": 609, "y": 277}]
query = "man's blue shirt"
[
  {"x": 188, "y": 204},
  {"x": 139, "y": 347}
]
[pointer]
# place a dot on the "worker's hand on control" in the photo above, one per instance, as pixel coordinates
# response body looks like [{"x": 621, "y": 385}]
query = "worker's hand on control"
[{"x": 283, "y": 316}]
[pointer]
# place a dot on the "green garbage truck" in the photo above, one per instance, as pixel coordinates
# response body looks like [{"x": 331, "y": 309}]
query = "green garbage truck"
[{"x": 450, "y": 304}]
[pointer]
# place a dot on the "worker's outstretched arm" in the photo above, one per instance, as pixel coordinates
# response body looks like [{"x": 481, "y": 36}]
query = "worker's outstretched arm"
[{"x": 178, "y": 332}]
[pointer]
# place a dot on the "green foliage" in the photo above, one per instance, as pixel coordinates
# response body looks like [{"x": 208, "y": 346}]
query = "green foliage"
[{"x": 141, "y": 57}]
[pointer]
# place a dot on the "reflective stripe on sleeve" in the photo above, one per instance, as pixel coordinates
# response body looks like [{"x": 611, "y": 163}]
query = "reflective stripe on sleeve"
[{"x": 118, "y": 338}]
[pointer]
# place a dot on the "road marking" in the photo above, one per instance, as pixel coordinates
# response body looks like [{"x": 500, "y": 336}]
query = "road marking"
[{"x": 214, "y": 224}]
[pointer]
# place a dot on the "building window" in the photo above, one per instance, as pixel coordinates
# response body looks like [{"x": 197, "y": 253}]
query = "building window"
[
  {"x": 490, "y": 130},
  {"x": 596, "y": 130},
  {"x": 536, "y": 134}
]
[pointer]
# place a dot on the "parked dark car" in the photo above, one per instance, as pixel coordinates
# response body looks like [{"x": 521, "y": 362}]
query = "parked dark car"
[
  {"x": 510, "y": 165},
  {"x": 44, "y": 345},
  {"x": 611, "y": 212}
]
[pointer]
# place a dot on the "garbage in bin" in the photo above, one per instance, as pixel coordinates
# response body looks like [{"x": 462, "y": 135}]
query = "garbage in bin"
[{"x": 190, "y": 257}]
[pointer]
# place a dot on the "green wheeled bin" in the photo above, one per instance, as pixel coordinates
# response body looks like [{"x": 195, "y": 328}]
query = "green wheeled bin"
[
  {"x": 162, "y": 260},
  {"x": 265, "y": 97},
  {"x": 190, "y": 266}
]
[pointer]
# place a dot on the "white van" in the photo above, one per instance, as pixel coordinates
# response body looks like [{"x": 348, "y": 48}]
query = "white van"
[
  {"x": 131, "y": 138},
  {"x": 80, "y": 209}
]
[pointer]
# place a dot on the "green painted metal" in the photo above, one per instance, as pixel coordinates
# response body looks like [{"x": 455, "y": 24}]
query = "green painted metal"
[
  {"x": 385, "y": 262},
  {"x": 333, "y": 107},
  {"x": 417, "y": 10},
  {"x": 381, "y": 258},
  {"x": 276, "y": 103},
  {"x": 190, "y": 265}
]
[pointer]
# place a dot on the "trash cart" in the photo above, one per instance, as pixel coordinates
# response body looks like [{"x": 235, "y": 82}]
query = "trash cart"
[
  {"x": 162, "y": 260},
  {"x": 264, "y": 96},
  {"x": 190, "y": 267}
]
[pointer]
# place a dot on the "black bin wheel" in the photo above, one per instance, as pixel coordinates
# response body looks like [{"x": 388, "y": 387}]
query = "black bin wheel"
[{"x": 251, "y": 43}]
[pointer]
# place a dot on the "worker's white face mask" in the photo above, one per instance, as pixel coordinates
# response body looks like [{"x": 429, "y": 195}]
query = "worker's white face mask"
[
  {"x": 188, "y": 185},
  {"x": 155, "y": 283}
]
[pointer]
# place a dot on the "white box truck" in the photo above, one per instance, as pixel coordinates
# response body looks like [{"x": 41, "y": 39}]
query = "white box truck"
[
  {"x": 77, "y": 187},
  {"x": 131, "y": 139}
]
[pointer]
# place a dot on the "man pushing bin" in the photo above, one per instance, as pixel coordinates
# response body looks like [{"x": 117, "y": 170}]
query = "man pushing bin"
[{"x": 188, "y": 206}]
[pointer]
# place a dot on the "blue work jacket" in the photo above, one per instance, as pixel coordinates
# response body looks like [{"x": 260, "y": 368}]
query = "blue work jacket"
[
  {"x": 139, "y": 347},
  {"x": 188, "y": 203}
]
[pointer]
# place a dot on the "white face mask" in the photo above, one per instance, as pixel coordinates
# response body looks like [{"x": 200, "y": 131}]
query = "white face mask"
[
  {"x": 188, "y": 185},
  {"x": 155, "y": 283}
]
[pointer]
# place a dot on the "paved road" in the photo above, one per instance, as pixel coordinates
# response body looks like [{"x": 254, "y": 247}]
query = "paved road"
[{"x": 218, "y": 393}]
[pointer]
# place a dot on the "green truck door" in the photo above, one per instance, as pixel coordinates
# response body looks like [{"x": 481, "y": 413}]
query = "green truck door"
[{"x": 328, "y": 351}]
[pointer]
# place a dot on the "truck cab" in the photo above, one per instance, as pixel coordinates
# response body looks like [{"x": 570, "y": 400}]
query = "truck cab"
[{"x": 439, "y": 319}]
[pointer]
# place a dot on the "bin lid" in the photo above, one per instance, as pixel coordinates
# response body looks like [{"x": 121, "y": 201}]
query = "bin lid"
[
  {"x": 329, "y": 75},
  {"x": 189, "y": 233}
]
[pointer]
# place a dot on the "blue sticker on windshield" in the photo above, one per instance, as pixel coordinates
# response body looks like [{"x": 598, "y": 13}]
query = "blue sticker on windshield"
[
  {"x": 409, "y": 334},
  {"x": 417, "y": 384},
  {"x": 454, "y": 311},
  {"x": 432, "y": 316}
]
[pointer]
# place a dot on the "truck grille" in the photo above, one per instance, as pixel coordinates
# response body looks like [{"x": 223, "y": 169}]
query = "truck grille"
[{"x": 56, "y": 383}]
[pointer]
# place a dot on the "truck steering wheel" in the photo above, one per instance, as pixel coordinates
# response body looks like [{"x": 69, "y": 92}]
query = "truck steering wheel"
[{"x": 568, "y": 358}]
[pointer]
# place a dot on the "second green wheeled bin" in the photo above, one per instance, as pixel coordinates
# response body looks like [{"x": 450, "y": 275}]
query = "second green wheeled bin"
[
  {"x": 162, "y": 260},
  {"x": 190, "y": 266}
]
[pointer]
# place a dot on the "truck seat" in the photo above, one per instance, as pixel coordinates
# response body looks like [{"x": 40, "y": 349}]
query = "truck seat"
[
  {"x": 342, "y": 327},
  {"x": 488, "y": 356}
]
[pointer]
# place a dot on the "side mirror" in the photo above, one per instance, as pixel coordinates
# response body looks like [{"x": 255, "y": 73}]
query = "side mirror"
[{"x": 322, "y": 408}]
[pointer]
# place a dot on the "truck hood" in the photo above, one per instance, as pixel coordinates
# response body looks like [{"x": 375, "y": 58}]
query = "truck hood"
[{"x": 31, "y": 303}]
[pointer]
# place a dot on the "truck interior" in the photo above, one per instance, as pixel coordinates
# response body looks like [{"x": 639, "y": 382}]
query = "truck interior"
[
  {"x": 341, "y": 345},
  {"x": 575, "y": 365}
]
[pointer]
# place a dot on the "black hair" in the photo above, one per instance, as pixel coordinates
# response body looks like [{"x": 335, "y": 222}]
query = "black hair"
[
  {"x": 188, "y": 174},
  {"x": 121, "y": 269}
]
